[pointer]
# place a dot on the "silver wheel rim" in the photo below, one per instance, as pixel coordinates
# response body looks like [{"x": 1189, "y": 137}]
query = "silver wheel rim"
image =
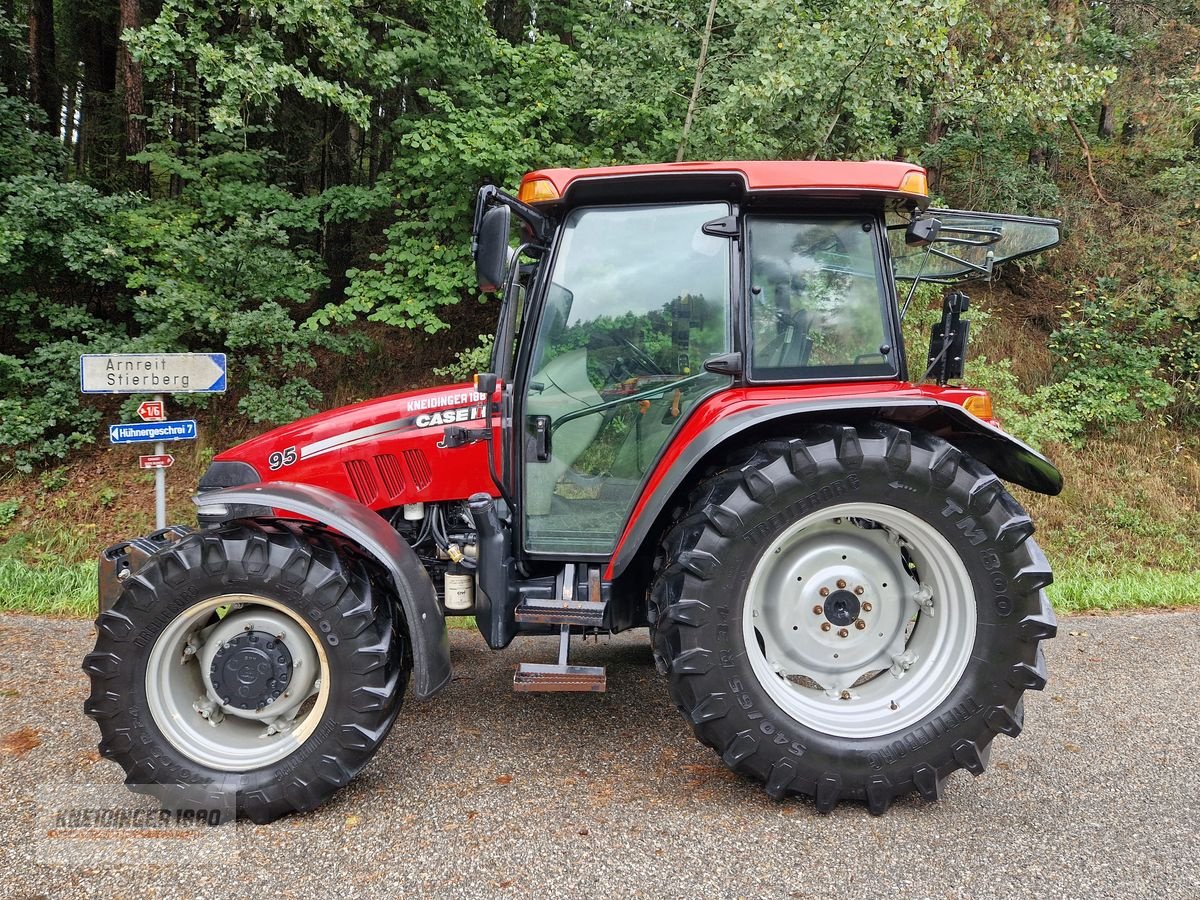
[
  {"x": 192, "y": 714},
  {"x": 859, "y": 620}
]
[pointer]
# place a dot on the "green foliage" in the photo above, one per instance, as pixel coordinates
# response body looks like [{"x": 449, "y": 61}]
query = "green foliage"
[
  {"x": 54, "y": 479},
  {"x": 468, "y": 362},
  {"x": 313, "y": 164},
  {"x": 8, "y": 511}
]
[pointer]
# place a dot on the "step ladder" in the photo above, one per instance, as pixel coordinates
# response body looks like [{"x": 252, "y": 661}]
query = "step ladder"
[{"x": 566, "y": 611}]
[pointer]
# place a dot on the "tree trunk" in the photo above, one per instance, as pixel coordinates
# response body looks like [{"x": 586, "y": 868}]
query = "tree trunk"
[
  {"x": 44, "y": 89},
  {"x": 691, "y": 110},
  {"x": 1108, "y": 123},
  {"x": 129, "y": 76}
]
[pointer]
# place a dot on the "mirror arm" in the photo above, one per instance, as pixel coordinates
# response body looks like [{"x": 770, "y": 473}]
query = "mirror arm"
[{"x": 489, "y": 194}]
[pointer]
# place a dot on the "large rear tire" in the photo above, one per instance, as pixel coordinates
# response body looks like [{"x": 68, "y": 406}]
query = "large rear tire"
[
  {"x": 852, "y": 613},
  {"x": 256, "y": 666}
]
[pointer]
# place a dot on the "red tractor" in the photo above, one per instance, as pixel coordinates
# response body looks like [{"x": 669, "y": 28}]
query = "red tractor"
[{"x": 700, "y": 419}]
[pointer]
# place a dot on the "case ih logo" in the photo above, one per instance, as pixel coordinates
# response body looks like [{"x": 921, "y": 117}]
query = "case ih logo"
[{"x": 449, "y": 416}]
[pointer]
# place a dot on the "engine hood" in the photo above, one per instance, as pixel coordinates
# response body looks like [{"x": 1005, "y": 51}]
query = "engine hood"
[{"x": 381, "y": 452}]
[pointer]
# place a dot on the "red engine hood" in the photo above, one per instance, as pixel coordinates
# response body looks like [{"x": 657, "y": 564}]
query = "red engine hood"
[{"x": 380, "y": 452}]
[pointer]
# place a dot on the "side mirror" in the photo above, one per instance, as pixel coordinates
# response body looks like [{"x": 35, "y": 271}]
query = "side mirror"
[
  {"x": 491, "y": 248},
  {"x": 922, "y": 231}
]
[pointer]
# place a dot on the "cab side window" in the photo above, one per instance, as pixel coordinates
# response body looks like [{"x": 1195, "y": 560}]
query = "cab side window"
[{"x": 816, "y": 300}]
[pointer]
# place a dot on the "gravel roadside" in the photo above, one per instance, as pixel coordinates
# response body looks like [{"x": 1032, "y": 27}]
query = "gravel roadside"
[{"x": 483, "y": 792}]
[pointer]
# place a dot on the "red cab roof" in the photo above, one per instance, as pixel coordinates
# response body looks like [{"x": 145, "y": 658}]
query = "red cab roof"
[{"x": 783, "y": 175}]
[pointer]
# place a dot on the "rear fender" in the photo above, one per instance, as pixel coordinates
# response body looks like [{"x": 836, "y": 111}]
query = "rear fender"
[
  {"x": 426, "y": 625},
  {"x": 1010, "y": 458}
]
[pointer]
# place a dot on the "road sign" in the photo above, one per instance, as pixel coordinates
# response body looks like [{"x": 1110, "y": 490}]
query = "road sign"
[
  {"x": 152, "y": 373},
  {"x": 157, "y": 461},
  {"x": 135, "y": 432},
  {"x": 152, "y": 411}
]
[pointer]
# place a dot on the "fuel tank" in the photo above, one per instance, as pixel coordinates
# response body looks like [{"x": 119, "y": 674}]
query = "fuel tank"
[{"x": 382, "y": 452}]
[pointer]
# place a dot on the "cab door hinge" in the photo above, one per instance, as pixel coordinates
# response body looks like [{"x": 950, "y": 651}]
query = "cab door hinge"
[
  {"x": 725, "y": 364},
  {"x": 726, "y": 226}
]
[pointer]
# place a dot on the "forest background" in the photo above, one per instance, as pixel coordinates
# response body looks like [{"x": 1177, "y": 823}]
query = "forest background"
[{"x": 290, "y": 182}]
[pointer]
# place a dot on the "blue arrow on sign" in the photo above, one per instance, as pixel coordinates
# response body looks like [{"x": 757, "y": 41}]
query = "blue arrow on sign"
[{"x": 137, "y": 432}]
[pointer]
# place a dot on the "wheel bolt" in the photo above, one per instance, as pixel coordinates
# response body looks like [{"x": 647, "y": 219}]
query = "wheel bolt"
[
  {"x": 841, "y": 582},
  {"x": 824, "y": 592},
  {"x": 859, "y": 590},
  {"x": 818, "y": 609},
  {"x": 860, "y": 624},
  {"x": 842, "y": 632},
  {"x": 867, "y": 606},
  {"x": 825, "y": 626}
]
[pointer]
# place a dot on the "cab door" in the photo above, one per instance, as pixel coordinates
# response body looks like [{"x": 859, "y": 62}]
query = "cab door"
[{"x": 638, "y": 298}]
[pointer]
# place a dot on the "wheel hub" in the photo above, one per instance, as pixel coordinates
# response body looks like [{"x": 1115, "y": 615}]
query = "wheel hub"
[
  {"x": 251, "y": 670},
  {"x": 841, "y": 608}
]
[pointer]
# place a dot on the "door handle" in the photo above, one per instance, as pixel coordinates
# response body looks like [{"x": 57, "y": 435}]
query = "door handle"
[{"x": 541, "y": 437}]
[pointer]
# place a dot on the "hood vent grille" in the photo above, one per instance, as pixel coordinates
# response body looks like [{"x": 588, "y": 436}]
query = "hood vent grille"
[
  {"x": 389, "y": 471},
  {"x": 362, "y": 480},
  {"x": 418, "y": 467}
]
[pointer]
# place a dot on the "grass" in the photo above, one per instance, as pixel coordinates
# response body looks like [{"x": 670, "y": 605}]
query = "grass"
[
  {"x": 1075, "y": 592},
  {"x": 46, "y": 589}
]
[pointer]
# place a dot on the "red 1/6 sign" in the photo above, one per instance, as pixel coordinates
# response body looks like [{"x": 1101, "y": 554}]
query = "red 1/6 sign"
[
  {"x": 160, "y": 461},
  {"x": 152, "y": 411}
]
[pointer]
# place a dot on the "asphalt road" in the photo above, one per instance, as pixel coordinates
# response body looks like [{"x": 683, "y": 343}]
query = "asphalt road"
[{"x": 483, "y": 792}]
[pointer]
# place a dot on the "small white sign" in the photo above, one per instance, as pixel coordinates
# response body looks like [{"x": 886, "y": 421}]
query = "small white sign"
[{"x": 152, "y": 373}]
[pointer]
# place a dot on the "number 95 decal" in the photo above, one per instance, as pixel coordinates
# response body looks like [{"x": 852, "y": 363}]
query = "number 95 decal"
[{"x": 278, "y": 460}]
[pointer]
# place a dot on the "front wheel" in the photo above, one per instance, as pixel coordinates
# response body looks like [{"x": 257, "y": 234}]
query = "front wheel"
[
  {"x": 853, "y": 613},
  {"x": 256, "y": 666}
]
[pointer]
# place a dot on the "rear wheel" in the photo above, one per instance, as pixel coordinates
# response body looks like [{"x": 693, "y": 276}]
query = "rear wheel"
[
  {"x": 256, "y": 666},
  {"x": 854, "y": 613}
]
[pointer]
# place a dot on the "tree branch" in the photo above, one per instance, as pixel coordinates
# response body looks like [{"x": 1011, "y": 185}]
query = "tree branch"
[{"x": 1087, "y": 157}]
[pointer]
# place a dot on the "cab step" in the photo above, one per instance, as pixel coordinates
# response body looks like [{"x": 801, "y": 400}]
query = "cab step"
[
  {"x": 536, "y": 677},
  {"x": 560, "y": 677},
  {"x": 567, "y": 608},
  {"x": 584, "y": 613}
]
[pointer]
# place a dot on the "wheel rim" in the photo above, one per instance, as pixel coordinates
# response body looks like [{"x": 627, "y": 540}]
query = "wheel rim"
[
  {"x": 859, "y": 619},
  {"x": 192, "y": 682}
]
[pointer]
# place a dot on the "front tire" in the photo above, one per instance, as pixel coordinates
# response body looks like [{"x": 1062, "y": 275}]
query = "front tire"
[
  {"x": 255, "y": 666},
  {"x": 853, "y": 613}
]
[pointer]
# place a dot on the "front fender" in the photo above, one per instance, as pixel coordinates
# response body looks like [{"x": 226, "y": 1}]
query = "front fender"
[
  {"x": 426, "y": 625},
  {"x": 1010, "y": 458}
]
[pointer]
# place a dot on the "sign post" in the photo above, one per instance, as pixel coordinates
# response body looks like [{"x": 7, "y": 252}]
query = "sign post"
[
  {"x": 160, "y": 475},
  {"x": 159, "y": 374}
]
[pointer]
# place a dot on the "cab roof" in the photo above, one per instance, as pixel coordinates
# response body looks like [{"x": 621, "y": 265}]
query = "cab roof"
[{"x": 818, "y": 178}]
